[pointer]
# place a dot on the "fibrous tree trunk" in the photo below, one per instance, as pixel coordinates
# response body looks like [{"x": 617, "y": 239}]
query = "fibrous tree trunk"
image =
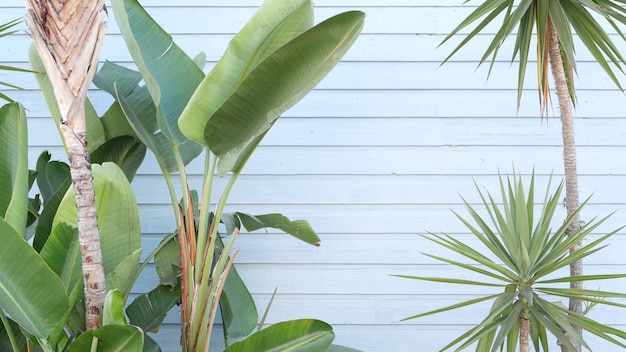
[
  {"x": 569, "y": 160},
  {"x": 524, "y": 335},
  {"x": 68, "y": 35}
]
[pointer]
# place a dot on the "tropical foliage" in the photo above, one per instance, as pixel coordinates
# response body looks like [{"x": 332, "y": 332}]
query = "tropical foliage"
[
  {"x": 522, "y": 257},
  {"x": 68, "y": 37},
  {"x": 538, "y": 19},
  {"x": 42, "y": 286},
  {"x": 552, "y": 24},
  {"x": 147, "y": 116},
  {"x": 276, "y": 59}
]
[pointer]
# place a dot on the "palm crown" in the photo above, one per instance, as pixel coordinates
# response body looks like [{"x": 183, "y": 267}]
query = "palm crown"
[{"x": 538, "y": 18}]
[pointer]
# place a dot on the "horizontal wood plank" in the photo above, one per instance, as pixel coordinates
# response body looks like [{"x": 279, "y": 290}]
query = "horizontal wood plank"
[{"x": 379, "y": 153}]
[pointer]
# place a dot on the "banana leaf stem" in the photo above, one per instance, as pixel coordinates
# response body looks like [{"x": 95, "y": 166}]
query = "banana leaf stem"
[
  {"x": 203, "y": 223},
  {"x": 206, "y": 279},
  {"x": 7, "y": 328}
]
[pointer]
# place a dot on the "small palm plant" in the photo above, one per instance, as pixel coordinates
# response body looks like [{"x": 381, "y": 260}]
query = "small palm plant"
[{"x": 523, "y": 256}]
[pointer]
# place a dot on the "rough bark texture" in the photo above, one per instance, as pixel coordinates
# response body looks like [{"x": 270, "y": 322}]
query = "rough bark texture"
[
  {"x": 569, "y": 161},
  {"x": 68, "y": 35},
  {"x": 524, "y": 335}
]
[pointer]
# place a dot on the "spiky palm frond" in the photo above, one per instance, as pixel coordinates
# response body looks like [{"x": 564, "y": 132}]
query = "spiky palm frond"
[
  {"x": 5, "y": 30},
  {"x": 536, "y": 19},
  {"x": 521, "y": 256}
]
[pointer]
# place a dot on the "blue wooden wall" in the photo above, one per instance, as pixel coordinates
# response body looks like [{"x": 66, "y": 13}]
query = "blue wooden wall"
[{"x": 376, "y": 155}]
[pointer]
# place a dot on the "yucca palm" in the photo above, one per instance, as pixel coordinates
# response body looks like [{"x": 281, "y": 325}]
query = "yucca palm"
[
  {"x": 521, "y": 256},
  {"x": 552, "y": 24},
  {"x": 68, "y": 35}
]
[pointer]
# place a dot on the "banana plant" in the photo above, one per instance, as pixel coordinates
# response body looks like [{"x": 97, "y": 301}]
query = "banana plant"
[
  {"x": 273, "y": 62},
  {"x": 521, "y": 257},
  {"x": 32, "y": 295},
  {"x": 41, "y": 288}
]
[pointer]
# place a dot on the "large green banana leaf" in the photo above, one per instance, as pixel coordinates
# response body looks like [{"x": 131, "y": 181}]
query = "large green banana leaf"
[
  {"x": 139, "y": 113},
  {"x": 14, "y": 166},
  {"x": 305, "y": 335},
  {"x": 148, "y": 310},
  {"x": 118, "y": 214},
  {"x": 274, "y": 24},
  {"x": 30, "y": 292},
  {"x": 170, "y": 75},
  {"x": 125, "y": 151},
  {"x": 239, "y": 313},
  {"x": 62, "y": 253},
  {"x": 51, "y": 176},
  {"x": 300, "y": 229},
  {"x": 267, "y": 85},
  {"x": 53, "y": 180},
  {"x": 110, "y": 338}
]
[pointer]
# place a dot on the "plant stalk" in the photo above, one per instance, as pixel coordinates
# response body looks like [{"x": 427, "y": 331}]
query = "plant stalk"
[
  {"x": 203, "y": 223},
  {"x": 569, "y": 162},
  {"x": 206, "y": 253},
  {"x": 88, "y": 230},
  {"x": 524, "y": 334},
  {"x": 9, "y": 331},
  {"x": 70, "y": 58}
]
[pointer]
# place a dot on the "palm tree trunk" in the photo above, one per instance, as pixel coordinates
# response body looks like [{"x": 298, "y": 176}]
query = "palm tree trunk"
[
  {"x": 68, "y": 35},
  {"x": 524, "y": 334},
  {"x": 569, "y": 160}
]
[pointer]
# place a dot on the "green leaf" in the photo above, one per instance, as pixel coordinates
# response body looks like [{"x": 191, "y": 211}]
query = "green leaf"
[
  {"x": 501, "y": 296},
  {"x": 5, "y": 31},
  {"x": 113, "y": 313},
  {"x": 533, "y": 18},
  {"x": 527, "y": 245},
  {"x": 300, "y": 229},
  {"x": 274, "y": 24},
  {"x": 239, "y": 314},
  {"x": 148, "y": 310},
  {"x": 228, "y": 126},
  {"x": 110, "y": 338},
  {"x": 140, "y": 114},
  {"x": 118, "y": 214},
  {"x": 124, "y": 151},
  {"x": 452, "y": 281},
  {"x": 304, "y": 335},
  {"x": 123, "y": 277},
  {"x": 113, "y": 77},
  {"x": 53, "y": 180},
  {"x": 62, "y": 254},
  {"x": 14, "y": 166},
  {"x": 200, "y": 60},
  {"x": 51, "y": 175},
  {"x": 149, "y": 345},
  {"x": 114, "y": 120},
  {"x": 167, "y": 263},
  {"x": 163, "y": 65},
  {"x": 30, "y": 292},
  {"x": 582, "y": 278}
]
